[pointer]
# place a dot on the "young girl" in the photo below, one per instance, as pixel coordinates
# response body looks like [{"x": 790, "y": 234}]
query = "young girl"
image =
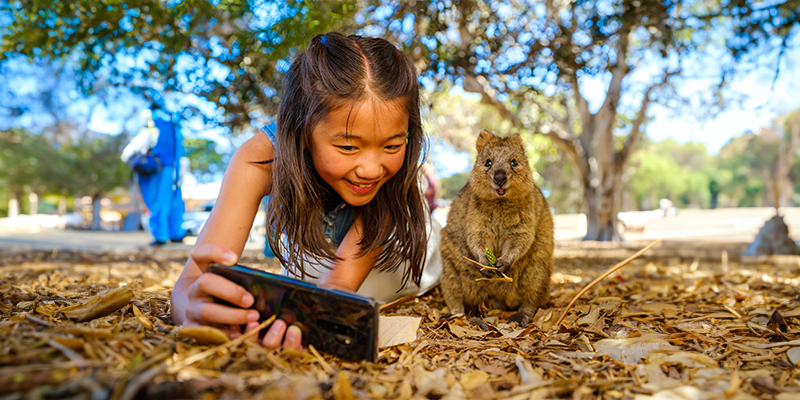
[{"x": 342, "y": 175}]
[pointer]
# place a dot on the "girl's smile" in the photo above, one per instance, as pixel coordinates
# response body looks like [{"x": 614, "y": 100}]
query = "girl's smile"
[{"x": 357, "y": 149}]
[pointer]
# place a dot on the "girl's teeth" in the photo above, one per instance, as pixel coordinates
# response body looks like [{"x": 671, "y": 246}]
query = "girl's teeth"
[{"x": 362, "y": 186}]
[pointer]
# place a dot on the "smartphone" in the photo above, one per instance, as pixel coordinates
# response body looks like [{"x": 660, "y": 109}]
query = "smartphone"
[{"x": 337, "y": 322}]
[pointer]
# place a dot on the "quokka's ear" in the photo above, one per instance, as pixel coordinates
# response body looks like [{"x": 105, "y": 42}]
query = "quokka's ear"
[
  {"x": 516, "y": 137},
  {"x": 484, "y": 137}
]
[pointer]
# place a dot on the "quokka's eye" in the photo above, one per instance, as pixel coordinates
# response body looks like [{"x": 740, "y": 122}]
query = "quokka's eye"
[
  {"x": 488, "y": 163},
  {"x": 513, "y": 163}
]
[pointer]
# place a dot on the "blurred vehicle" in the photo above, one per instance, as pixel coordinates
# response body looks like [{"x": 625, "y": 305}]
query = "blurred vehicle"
[{"x": 194, "y": 219}]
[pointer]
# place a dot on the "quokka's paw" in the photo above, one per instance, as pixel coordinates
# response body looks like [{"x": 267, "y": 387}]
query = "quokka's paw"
[
  {"x": 502, "y": 266},
  {"x": 521, "y": 318},
  {"x": 489, "y": 273}
]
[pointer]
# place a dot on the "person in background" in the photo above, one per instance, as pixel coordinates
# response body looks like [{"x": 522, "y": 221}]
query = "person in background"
[
  {"x": 161, "y": 191},
  {"x": 430, "y": 185}
]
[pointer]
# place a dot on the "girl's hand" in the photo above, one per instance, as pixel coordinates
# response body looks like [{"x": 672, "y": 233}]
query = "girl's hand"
[
  {"x": 292, "y": 337},
  {"x": 202, "y": 310}
]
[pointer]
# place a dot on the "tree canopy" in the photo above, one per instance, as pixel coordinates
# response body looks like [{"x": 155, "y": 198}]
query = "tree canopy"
[
  {"x": 529, "y": 60},
  {"x": 232, "y": 52}
]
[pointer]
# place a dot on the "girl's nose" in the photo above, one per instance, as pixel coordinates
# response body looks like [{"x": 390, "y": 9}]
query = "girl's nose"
[{"x": 369, "y": 167}]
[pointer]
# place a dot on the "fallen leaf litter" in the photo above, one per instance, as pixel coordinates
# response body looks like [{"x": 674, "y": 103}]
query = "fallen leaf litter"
[{"x": 658, "y": 328}]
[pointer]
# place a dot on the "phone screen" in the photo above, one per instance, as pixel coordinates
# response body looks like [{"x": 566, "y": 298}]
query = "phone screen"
[{"x": 339, "y": 323}]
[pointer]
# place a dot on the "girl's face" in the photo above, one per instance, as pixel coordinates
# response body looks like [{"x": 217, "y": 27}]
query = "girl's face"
[{"x": 356, "y": 159}]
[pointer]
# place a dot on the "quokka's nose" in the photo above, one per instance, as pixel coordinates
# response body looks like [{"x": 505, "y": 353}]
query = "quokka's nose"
[{"x": 500, "y": 178}]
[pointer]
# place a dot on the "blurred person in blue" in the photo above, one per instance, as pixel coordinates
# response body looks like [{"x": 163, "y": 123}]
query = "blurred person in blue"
[{"x": 156, "y": 155}]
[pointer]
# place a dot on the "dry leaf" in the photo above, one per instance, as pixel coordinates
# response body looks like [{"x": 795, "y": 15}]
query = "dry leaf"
[
  {"x": 71, "y": 343},
  {"x": 734, "y": 384},
  {"x": 430, "y": 383},
  {"x": 527, "y": 374},
  {"x": 142, "y": 318},
  {"x": 466, "y": 332},
  {"x": 691, "y": 393},
  {"x": 489, "y": 368},
  {"x": 204, "y": 334},
  {"x": 631, "y": 350},
  {"x": 342, "y": 389},
  {"x": 666, "y": 309},
  {"x": 473, "y": 379},
  {"x": 394, "y": 330},
  {"x": 89, "y": 333},
  {"x": 706, "y": 325},
  {"x": 100, "y": 305},
  {"x": 45, "y": 311},
  {"x": 764, "y": 383},
  {"x": 794, "y": 356},
  {"x": 777, "y": 323},
  {"x": 589, "y": 318}
]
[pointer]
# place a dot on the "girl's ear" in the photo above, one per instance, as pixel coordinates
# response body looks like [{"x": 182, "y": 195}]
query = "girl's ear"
[{"x": 483, "y": 138}]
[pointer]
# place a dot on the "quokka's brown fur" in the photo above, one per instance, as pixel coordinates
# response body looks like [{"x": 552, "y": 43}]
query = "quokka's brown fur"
[{"x": 502, "y": 209}]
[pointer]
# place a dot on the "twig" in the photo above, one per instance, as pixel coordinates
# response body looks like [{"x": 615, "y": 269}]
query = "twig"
[
  {"x": 22, "y": 369},
  {"x": 505, "y": 277},
  {"x": 398, "y": 301},
  {"x": 732, "y": 311},
  {"x": 69, "y": 353},
  {"x": 199, "y": 356},
  {"x": 600, "y": 278},
  {"x": 39, "y": 321},
  {"x": 322, "y": 363},
  {"x": 482, "y": 266},
  {"x": 134, "y": 385}
]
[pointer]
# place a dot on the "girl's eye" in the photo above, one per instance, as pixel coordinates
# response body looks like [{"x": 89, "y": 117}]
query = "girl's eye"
[
  {"x": 393, "y": 147},
  {"x": 513, "y": 163},
  {"x": 348, "y": 148},
  {"x": 488, "y": 163}
]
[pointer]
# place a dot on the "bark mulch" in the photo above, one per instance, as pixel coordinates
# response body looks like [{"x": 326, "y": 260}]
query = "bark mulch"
[{"x": 659, "y": 328}]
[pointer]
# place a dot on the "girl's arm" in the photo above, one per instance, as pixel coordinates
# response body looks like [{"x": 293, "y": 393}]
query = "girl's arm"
[{"x": 222, "y": 241}]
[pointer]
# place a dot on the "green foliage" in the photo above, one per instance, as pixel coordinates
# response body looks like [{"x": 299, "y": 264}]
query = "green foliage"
[
  {"x": 555, "y": 175},
  {"x": 672, "y": 171},
  {"x": 451, "y": 185},
  {"x": 95, "y": 165},
  {"x": 28, "y": 162},
  {"x": 203, "y": 157},
  {"x": 86, "y": 167},
  {"x": 229, "y": 53}
]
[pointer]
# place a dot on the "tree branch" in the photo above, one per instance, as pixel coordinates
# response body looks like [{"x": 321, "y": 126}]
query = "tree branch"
[
  {"x": 633, "y": 137},
  {"x": 563, "y": 122},
  {"x": 614, "y": 91},
  {"x": 478, "y": 84}
]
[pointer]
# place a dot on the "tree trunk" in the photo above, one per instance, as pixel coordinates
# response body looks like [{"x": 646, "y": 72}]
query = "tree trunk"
[{"x": 601, "y": 213}]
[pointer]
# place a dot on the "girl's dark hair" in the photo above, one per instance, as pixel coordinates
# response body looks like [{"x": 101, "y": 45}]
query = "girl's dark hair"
[{"x": 338, "y": 71}]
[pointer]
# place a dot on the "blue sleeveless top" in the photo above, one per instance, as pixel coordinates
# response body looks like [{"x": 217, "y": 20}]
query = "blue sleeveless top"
[{"x": 338, "y": 221}]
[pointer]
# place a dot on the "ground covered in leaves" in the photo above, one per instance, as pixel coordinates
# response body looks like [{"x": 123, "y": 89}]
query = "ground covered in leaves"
[{"x": 660, "y": 328}]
